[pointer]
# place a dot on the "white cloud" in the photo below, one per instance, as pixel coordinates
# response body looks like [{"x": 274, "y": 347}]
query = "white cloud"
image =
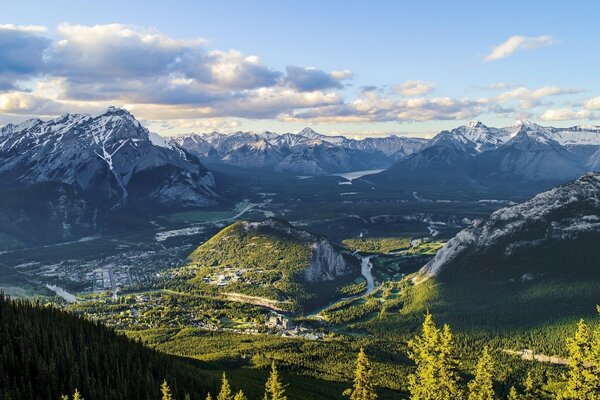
[
  {"x": 415, "y": 88},
  {"x": 23, "y": 28},
  {"x": 517, "y": 43},
  {"x": 593, "y": 103},
  {"x": 529, "y": 98},
  {"x": 564, "y": 114}
]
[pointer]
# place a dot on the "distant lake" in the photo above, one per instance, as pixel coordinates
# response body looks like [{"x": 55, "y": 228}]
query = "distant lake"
[{"x": 358, "y": 174}]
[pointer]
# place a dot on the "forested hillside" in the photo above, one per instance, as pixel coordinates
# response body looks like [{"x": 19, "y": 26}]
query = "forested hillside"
[{"x": 45, "y": 352}]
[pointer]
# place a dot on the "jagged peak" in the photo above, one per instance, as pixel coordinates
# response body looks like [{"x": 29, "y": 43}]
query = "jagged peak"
[
  {"x": 116, "y": 110},
  {"x": 308, "y": 132},
  {"x": 475, "y": 124}
]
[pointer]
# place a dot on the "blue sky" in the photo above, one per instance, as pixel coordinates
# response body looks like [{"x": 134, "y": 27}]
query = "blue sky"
[{"x": 339, "y": 66}]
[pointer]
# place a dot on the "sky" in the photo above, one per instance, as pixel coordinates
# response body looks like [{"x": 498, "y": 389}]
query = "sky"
[{"x": 341, "y": 67}]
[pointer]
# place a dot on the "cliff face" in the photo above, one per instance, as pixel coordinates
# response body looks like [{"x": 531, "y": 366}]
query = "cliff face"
[
  {"x": 561, "y": 216},
  {"x": 327, "y": 263}
]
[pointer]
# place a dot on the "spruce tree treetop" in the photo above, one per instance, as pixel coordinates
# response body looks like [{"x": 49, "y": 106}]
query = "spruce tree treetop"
[
  {"x": 274, "y": 389},
  {"x": 482, "y": 386},
  {"x": 226, "y": 393},
  {"x": 363, "y": 388},
  {"x": 166, "y": 391}
]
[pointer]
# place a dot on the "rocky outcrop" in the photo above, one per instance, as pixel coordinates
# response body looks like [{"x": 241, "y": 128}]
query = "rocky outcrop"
[
  {"x": 561, "y": 214},
  {"x": 327, "y": 263}
]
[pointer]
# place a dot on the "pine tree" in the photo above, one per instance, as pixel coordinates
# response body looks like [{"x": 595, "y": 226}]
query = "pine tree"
[
  {"x": 482, "y": 386},
  {"x": 424, "y": 383},
  {"x": 240, "y": 396},
  {"x": 449, "y": 365},
  {"x": 436, "y": 376},
  {"x": 580, "y": 378},
  {"x": 513, "y": 394},
  {"x": 187, "y": 397},
  {"x": 64, "y": 397},
  {"x": 208, "y": 397},
  {"x": 274, "y": 389},
  {"x": 225, "y": 393},
  {"x": 77, "y": 395},
  {"x": 166, "y": 391},
  {"x": 363, "y": 388}
]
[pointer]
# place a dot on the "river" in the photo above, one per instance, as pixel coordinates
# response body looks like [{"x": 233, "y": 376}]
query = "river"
[
  {"x": 62, "y": 293},
  {"x": 365, "y": 269}
]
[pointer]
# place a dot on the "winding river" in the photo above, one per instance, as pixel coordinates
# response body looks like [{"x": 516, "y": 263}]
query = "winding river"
[{"x": 365, "y": 269}]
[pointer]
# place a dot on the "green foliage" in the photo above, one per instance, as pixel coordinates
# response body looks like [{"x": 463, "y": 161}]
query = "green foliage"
[
  {"x": 45, "y": 352},
  {"x": 583, "y": 380},
  {"x": 382, "y": 245},
  {"x": 433, "y": 352},
  {"x": 165, "y": 391},
  {"x": 482, "y": 386},
  {"x": 274, "y": 389},
  {"x": 362, "y": 388},
  {"x": 225, "y": 393}
]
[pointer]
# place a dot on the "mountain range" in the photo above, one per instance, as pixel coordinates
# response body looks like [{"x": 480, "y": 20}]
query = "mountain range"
[
  {"x": 306, "y": 153},
  {"x": 523, "y": 158}
]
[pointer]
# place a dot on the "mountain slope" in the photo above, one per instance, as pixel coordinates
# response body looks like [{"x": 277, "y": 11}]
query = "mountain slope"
[
  {"x": 61, "y": 179},
  {"x": 45, "y": 352},
  {"x": 533, "y": 262},
  {"x": 273, "y": 260},
  {"x": 110, "y": 157}
]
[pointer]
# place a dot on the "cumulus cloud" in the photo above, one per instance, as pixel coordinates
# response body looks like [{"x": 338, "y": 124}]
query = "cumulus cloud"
[
  {"x": 372, "y": 107},
  {"x": 415, "y": 88},
  {"x": 518, "y": 43},
  {"x": 529, "y": 98},
  {"x": 564, "y": 114},
  {"x": 310, "y": 79},
  {"x": 83, "y": 68},
  {"x": 593, "y": 103}
]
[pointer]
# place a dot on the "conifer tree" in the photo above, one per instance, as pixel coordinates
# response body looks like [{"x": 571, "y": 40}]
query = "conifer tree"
[
  {"x": 580, "y": 378},
  {"x": 166, "y": 391},
  {"x": 513, "y": 394},
  {"x": 424, "y": 383},
  {"x": 482, "y": 386},
  {"x": 77, "y": 395},
  {"x": 208, "y": 397},
  {"x": 363, "y": 388},
  {"x": 225, "y": 393},
  {"x": 449, "y": 365},
  {"x": 274, "y": 389},
  {"x": 436, "y": 376},
  {"x": 240, "y": 396}
]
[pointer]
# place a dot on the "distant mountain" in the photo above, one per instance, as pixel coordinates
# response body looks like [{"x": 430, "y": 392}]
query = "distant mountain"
[
  {"x": 271, "y": 260},
  {"x": 481, "y": 161},
  {"x": 540, "y": 256},
  {"x": 307, "y": 152},
  {"x": 100, "y": 163}
]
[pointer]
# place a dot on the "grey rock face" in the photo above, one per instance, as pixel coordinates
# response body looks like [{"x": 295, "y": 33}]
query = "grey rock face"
[
  {"x": 327, "y": 264},
  {"x": 559, "y": 214}
]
